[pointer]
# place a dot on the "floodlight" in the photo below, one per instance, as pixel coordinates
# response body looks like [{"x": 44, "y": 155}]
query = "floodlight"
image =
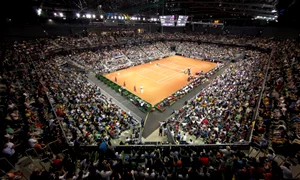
[
  {"x": 39, "y": 11},
  {"x": 78, "y": 15},
  {"x": 61, "y": 14},
  {"x": 88, "y": 16}
]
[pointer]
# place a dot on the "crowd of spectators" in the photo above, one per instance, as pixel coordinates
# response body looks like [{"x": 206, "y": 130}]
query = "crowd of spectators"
[
  {"x": 278, "y": 123},
  {"x": 26, "y": 113},
  {"x": 97, "y": 38},
  {"x": 152, "y": 51},
  {"x": 84, "y": 112},
  {"x": 73, "y": 42},
  {"x": 222, "y": 112},
  {"x": 208, "y": 51},
  {"x": 161, "y": 163}
]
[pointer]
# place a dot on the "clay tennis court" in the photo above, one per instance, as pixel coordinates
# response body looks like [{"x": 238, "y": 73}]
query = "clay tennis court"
[{"x": 159, "y": 81}]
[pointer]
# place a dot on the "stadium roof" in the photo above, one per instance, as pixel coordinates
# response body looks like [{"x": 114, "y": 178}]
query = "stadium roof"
[{"x": 197, "y": 9}]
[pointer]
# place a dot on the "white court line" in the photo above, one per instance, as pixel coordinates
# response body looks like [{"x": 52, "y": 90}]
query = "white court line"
[
  {"x": 184, "y": 67},
  {"x": 148, "y": 78},
  {"x": 157, "y": 67},
  {"x": 168, "y": 79},
  {"x": 151, "y": 70}
]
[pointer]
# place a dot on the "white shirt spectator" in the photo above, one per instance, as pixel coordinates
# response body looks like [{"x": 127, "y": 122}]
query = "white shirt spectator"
[
  {"x": 32, "y": 142},
  {"x": 8, "y": 150}
]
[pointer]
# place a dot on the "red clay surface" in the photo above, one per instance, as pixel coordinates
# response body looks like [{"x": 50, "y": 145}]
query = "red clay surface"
[{"x": 159, "y": 81}]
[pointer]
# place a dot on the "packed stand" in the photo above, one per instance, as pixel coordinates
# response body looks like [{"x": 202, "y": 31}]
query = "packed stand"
[
  {"x": 101, "y": 39},
  {"x": 222, "y": 112},
  {"x": 160, "y": 163},
  {"x": 85, "y": 113},
  {"x": 152, "y": 51},
  {"x": 72, "y": 42},
  {"x": 278, "y": 123},
  {"x": 27, "y": 113},
  {"x": 117, "y": 60},
  {"x": 163, "y": 48},
  {"x": 134, "y": 53}
]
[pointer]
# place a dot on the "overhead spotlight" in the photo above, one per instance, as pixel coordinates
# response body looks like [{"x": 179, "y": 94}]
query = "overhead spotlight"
[
  {"x": 64, "y": 18},
  {"x": 144, "y": 19},
  {"x": 88, "y": 16},
  {"x": 50, "y": 20},
  {"x": 78, "y": 15},
  {"x": 120, "y": 17},
  {"x": 101, "y": 16},
  {"x": 273, "y": 11},
  {"x": 61, "y": 14},
  {"x": 55, "y": 14},
  {"x": 94, "y": 16},
  {"x": 83, "y": 16},
  {"x": 39, "y": 11}
]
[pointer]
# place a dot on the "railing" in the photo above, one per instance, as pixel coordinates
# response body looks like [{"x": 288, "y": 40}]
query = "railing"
[
  {"x": 256, "y": 110},
  {"x": 48, "y": 99}
]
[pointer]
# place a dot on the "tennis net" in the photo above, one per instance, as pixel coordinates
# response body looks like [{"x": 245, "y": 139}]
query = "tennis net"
[{"x": 171, "y": 68}]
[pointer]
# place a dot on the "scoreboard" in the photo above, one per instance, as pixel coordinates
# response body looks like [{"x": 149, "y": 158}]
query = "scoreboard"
[
  {"x": 167, "y": 20},
  {"x": 181, "y": 21}
]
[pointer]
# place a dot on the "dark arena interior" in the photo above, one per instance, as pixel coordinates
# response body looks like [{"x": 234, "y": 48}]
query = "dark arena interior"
[{"x": 150, "y": 89}]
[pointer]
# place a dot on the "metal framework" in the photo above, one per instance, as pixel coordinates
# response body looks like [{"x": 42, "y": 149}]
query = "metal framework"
[{"x": 155, "y": 7}]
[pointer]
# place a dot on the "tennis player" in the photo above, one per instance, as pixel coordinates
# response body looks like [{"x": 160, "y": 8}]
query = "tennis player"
[{"x": 142, "y": 89}]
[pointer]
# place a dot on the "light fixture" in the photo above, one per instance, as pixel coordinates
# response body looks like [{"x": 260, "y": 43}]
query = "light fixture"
[
  {"x": 50, "y": 20},
  {"x": 55, "y": 14},
  {"x": 94, "y": 16},
  {"x": 61, "y": 14},
  {"x": 101, "y": 16},
  {"x": 39, "y": 11},
  {"x": 78, "y": 15},
  {"x": 273, "y": 11},
  {"x": 64, "y": 18},
  {"x": 88, "y": 16}
]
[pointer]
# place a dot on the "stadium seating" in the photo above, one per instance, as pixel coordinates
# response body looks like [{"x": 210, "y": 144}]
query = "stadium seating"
[{"x": 44, "y": 101}]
